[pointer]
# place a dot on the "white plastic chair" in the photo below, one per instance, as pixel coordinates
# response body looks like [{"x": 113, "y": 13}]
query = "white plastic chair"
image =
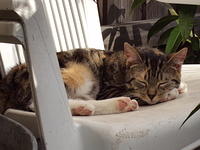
[
  {"x": 53, "y": 114},
  {"x": 151, "y": 128}
]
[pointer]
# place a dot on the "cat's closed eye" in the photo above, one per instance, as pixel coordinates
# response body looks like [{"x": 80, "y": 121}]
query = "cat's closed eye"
[
  {"x": 140, "y": 84},
  {"x": 175, "y": 81},
  {"x": 163, "y": 84}
]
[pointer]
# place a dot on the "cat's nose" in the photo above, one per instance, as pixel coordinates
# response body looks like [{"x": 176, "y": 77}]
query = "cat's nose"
[{"x": 151, "y": 96}]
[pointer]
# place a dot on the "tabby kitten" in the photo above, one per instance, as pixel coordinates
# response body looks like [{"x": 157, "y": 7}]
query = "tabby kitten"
[{"x": 103, "y": 82}]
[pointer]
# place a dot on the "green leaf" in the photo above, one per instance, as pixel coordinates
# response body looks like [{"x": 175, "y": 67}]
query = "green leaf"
[
  {"x": 195, "y": 43},
  {"x": 174, "y": 40},
  {"x": 172, "y": 11},
  {"x": 160, "y": 24},
  {"x": 137, "y": 3},
  {"x": 164, "y": 36},
  {"x": 193, "y": 111}
]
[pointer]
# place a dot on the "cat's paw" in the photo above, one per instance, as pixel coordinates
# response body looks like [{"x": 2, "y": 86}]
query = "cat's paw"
[
  {"x": 83, "y": 109},
  {"x": 173, "y": 94},
  {"x": 182, "y": 88},
  {"x": 125, "y": 104}
]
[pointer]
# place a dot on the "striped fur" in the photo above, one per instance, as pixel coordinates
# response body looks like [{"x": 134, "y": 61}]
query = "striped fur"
[{"x": 144, "y": 74}]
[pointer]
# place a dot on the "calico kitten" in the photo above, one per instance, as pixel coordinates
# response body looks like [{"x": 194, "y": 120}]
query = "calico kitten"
[{"x": 103, "y": 82}]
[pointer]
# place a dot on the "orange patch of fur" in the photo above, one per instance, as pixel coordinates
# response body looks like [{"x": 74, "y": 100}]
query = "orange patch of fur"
[{"x": 74, "y": 76}]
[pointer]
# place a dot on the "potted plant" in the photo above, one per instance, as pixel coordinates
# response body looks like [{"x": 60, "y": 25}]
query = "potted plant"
[{"x": 179, "y": 34}]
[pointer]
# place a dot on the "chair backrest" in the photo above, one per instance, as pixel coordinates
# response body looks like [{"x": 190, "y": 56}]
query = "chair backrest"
[
  {"x": 74, "y": 24},
  {"x": 10, "y": 55}
]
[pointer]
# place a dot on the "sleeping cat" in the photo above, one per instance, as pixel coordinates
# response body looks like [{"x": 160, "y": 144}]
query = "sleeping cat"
[{"x": 103, "y": 82}]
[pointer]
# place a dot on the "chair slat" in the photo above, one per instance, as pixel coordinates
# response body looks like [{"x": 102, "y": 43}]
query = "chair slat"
[
  {"x": 71, "y": 24},
  {"x": 65, "y": 26},
  {"x": 78, "y": 25},
  {"x": 52, "y": 23},
  {"x": 58, "y": 24}
]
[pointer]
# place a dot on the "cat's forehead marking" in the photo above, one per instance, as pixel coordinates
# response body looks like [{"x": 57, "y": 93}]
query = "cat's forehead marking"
[
  {"x": 141, "y": 75},
  {"x": 154, "y": 61}
]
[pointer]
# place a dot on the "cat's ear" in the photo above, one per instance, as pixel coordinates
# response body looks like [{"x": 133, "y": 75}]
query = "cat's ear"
[
  {"x": 177, "y": 59},
  {"x": 131, "y": 54}
]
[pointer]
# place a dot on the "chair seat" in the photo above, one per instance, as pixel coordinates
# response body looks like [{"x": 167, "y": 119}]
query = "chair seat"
[{"x": 150, "y": 128}]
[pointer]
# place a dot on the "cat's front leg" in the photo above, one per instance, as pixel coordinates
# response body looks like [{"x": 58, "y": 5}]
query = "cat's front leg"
[
  {"x": 175, "y": 93},
  {"x": 115, "y": 105},
  {"x": 81, "y": 108},
  {"x": 183, "y": 88},
  {"x": 107, "y": 106}
]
